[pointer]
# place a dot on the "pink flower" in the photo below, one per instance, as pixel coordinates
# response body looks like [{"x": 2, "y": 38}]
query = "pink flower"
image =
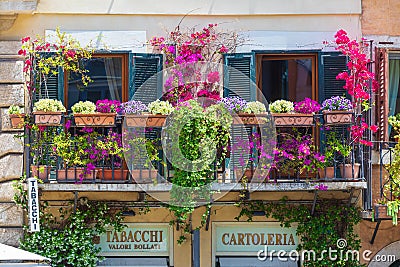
[
  {"x": 374, "y": 128},
  {"x": 213, "y": 77}
]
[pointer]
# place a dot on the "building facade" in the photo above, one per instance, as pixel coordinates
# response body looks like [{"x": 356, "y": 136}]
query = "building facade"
[{"x": 282, "y": 38}]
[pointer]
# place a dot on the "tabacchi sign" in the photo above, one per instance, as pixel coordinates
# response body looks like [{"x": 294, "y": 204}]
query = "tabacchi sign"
[
  {"x": 142, "y": 238},
  {"x": 33, "y": 203}
]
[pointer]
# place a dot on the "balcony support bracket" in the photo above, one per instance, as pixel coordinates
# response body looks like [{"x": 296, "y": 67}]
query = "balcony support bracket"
[
  {"x": 351, "y": 196},
  {"x": 75, "y": 200},
  {"x": 208, "y": 219},
  {"x": 378, "y": 223},
  {"x": 314, "y": 202}
]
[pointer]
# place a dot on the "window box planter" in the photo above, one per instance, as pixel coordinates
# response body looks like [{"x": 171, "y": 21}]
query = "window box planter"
[
  {"x": 95, "y": 119},
  {"x": 47, "y": 118},
  {"x": 293, "y": 119},
  {"x": 40, "y": 171},
  {"x": 145, "y": 120},
  {"x": 249, "y": 119},
  {"x": 381, "y": 212},
  {"x": 17, "y": 120},
  {"x": 336, "y": 117}
]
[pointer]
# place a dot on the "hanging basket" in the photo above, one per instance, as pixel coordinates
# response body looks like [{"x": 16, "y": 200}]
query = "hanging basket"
[
  {"x": 95, "y": 119},
  {"x": 293, "y": 119},
  {"x": 338, "y": 117},
  {"x": 47, "y": 118}
]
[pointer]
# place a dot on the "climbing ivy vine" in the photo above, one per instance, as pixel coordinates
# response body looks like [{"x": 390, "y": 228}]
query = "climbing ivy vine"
[
  {"x": 318, "y": 232},
  {"x": 67, "y": 235}
]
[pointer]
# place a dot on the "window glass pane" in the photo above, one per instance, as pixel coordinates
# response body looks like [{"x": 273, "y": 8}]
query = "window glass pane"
[
  {"x": 106, "y": 73},
  {"x": 394, "y": 86},
  {"x": 289, "y": 79}
]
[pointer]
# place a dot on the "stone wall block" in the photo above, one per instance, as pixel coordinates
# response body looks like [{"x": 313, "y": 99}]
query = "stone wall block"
[
  {"x": 11, "y": 236},
  {"x": 7, "y": 192},
  {"x": 11, "y": 71},
  {"x": 10, "y": 144},
  {"x": 11, "y": 94},
  {"x": 9, "y": 47},
  {"x": 11, "y": 167},
  {"x": 10, "y": 215}
]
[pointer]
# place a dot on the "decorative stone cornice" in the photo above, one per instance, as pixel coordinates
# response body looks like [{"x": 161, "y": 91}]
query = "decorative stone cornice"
[
  {"x": 6, "y": 21},
  {"x": 11, "y": 7}
]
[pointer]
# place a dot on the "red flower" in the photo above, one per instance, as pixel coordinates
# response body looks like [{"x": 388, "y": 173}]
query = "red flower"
[{"x": 374, "y": 128}]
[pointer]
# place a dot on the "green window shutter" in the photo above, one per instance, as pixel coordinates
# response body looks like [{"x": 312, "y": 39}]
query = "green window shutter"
[
  {"x": 143, "y": 70},
  {"x": 240, "y": 80},
  {"x": 54, "y": 84},
  {"x": 330, "y": 65}
]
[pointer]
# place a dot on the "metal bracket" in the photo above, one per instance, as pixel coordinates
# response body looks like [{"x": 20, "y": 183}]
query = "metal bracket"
[
  {"x": 314, "y": 202},
  {"x": 208, "y": 219},
  {"x": 351, "y": 196},
  {"x": 378, "y": 223},
  {"x": 75, "y": 200}
]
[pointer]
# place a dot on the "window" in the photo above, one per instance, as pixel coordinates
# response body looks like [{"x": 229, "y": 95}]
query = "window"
[
  {"x": 109, "y": 80},
  {"x": 393, "y": 87},
  {"x": 291, "y": 77}
]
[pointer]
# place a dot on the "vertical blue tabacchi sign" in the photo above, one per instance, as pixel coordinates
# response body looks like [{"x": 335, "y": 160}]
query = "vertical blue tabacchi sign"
[{"x": 33, "y": 203}]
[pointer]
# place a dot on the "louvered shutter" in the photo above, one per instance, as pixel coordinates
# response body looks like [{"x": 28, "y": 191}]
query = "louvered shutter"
[
  {"x": 331, "y": 64},
  {"x": 239, "y": 76},
  {"x": 144, "y": 84},
  {"x": 54, "y": 84},
  {"x": 382, "y": 108}
]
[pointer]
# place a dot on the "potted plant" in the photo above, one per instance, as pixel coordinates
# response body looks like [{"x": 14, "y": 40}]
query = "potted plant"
[
  {"x": 111, "y": 153},
  {"x": 339, "y": 148},
  {"x": 83, "y": 112},
  {"x": 300, "y": 114},
  {"x": 48, "y": 112},
  {"x": 141, "y": 153},
  {"x": 132, "y": 111},
  {"x": 78, "y": 154},
  {"x": 16, "y": 115},
  {"x": 337, "y": 110},
  {"x": 296, "y": 155},
  {"x": 159, "y": 110}
]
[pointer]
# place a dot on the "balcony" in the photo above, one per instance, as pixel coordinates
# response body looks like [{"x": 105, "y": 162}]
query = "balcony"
[{"x": 65, "y": 160}]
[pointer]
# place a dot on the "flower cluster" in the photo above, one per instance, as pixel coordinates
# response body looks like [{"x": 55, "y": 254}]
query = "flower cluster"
[
  {"x": 108, "y": 106},
  {"x": 160, "y": 107},
  {"x": 183, "y": 50},
  {"x": 281, "y": 106},
  {"x": 133, "y": 107},
  {"x": 84, "y": 107},
  {"x": 255, "y": 107},
  {"x": 394, "y": 121},
  {"x": 49, "y": 105},
  {"x": 234, "y": 104},
  {"x": 297, "y": 152},
  {"x": 13, "y": 109},
  {"x": 337, "y": 103},
  {"x": 307, "y": 106},
  {"x": 357, "y": 133}
]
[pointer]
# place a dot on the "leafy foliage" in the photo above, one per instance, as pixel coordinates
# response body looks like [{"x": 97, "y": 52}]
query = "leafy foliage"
[
  {"x": 67, "y": 239},
  {"x": 317, "y": 232}
]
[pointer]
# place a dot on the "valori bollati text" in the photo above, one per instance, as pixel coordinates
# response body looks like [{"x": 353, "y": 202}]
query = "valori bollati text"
[
  {"x": 141, "y": 239},
  {"x": 234, "y": 239}
]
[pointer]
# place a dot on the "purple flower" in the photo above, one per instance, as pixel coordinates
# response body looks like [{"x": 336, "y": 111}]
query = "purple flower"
[
  {"x": 321, "y": 187},
  {"x": 307, "y": 106},
  {"x": 337, "y": 103},
  {"x": 234, "y": 104},
  {"x": 133, "y": 107}
]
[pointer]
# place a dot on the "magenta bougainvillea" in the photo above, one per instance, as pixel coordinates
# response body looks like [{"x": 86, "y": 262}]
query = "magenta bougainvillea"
[{"x": 357, "y": 80}]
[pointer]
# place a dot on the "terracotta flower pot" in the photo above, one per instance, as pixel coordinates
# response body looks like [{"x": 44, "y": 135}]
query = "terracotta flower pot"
[
  {"x": 17, "y": 120},
  {"x": 47, "y": 118},
  {"x": 107, "y": 174},
  {"x": 42, "y": 171},
  {"x": 73, "y": 175},
  {"x": 249, "y": 119},
  {"x": 346, "y": 170},
  {"x": 328, "y": 172},
  {"x": 144, "y": 176}
]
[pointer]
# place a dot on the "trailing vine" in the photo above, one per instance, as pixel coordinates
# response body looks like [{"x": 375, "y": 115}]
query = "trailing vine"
[
  {"x": 67, "y": 239},
  {"x": 199, "y": 140},
  {"x": 318, "y": 232}
]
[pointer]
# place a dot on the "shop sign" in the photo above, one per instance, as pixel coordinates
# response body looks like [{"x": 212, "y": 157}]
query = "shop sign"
[
  {"x": 141, "y": 238},
  {"x": 33, "y": 204},
  {"x": 254, "y": 237}
]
